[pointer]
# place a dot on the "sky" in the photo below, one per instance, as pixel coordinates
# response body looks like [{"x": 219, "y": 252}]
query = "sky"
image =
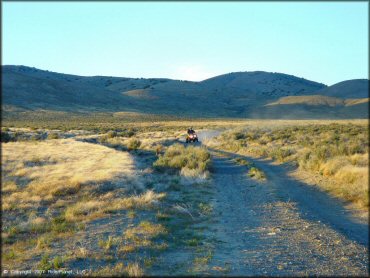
[{"x": 325, "y": 42}]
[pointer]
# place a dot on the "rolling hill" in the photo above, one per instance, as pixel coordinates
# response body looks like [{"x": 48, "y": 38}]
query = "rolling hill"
[
  {"x": 356, "y": 88},
  {"x": 240, "y": 94}
]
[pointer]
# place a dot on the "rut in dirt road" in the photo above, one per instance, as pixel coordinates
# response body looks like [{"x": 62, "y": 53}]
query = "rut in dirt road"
[{"x": 281, "y": 226}]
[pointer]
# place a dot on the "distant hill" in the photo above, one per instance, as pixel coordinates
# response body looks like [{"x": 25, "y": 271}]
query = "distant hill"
[
  {"x": 264, "y": 83},
  {"x": 241, "y": 94},
  {"x": 356, "y": 88}
]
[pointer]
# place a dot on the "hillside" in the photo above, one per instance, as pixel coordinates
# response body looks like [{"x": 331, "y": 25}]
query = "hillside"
[
  {"x": 264, "y": 83},
  {"x": 241, "y": 94},
  {"x": 356, "y": 88},
  {"x": 319, "y": 100}
]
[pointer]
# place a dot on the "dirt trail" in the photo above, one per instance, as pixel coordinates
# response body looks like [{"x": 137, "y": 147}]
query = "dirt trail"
[{"x": 281, "y": 226}]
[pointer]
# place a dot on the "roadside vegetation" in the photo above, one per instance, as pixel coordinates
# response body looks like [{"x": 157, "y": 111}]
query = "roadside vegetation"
[
  {"x": 253, "y": 171},
  {"x": 113, "y": 200},
  {"x": 336, "y": 152},
  {"x": 190, "y": 161},
  {"x": 127, "y": 199}
]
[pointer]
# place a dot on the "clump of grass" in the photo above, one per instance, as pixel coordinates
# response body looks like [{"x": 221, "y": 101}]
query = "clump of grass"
[
  {"x": 132, "y": 269},
  {"x": 84, "y": 209},
  {"x": 191, "y": 161},
  {"x": 205, "y": 209},
  {"x": 43, "y": 242},
  {"x": 131, "y": 214},
  {"x": 53, "y": 135},
  {"x": 111, "y": 134},
  {"x": 201, "y": 262},
  {"x": 9, "y": 186},
  {"x": 162, "y": 216},
  {"x": 242, "y": 161},
  {"x": 106, "y": 244},
  {"x": 45, "y": 263},
  {"x": 146, "y": 230},
  {"x": 142, "y": 236},
  {"x": 194, "y": 241},
  {"x": 158, "y": 149},
  {"x": 256, "y": 173},
  {"x": 281, "y": 154},
  {"x": 57, "y": 262},
  {"x": 133, "y": 144}
]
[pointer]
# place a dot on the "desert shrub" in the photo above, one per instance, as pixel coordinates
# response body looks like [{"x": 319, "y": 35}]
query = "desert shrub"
[
  {"x": 45, "y": 263},
  {"x": 256, "y": 173},
  {"x": 53, "y": 135},
  {"x": 190, "y": 161},
  {"x": 333, "y": 165},
  {"x": 111, "y": 134},
  {"x": 280, "y": 154},
  {"x": 158, "y": 149},
  {"x": 242, "y": 161},
  {"x": 5, "y": 137},
  {"x": 103, "y": 139},
  {"x": 126, "y": 133},
  {"x": 239, "y": 135},
  {"x": 133, "y": 144}
]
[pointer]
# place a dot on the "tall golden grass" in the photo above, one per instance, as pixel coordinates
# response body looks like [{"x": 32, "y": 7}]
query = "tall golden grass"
[{"x": 45, "y": 171}]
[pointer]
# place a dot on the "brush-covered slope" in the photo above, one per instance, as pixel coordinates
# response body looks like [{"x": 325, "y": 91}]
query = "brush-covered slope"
[
  {"x": 241, "y": 94},
  {"x": 264, "y": 83},
  {"x": 347, "y": 99},
  {"x": 356, "y": 88}
]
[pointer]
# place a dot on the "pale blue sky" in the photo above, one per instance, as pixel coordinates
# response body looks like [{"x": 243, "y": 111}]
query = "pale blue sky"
[{"x": 324, "y": 42}]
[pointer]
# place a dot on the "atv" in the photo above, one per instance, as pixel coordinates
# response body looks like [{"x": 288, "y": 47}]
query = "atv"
[{"x": 191, "y": 138}]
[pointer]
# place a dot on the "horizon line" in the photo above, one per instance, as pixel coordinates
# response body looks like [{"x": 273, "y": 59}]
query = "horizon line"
[{"x": 183, "y": 80}]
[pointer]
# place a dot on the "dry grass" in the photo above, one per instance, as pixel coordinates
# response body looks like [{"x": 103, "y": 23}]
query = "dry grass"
[
  {"x": 130, "y": 270},
  {"x": 145, "y": 230},
  {"x": 337, "y": 151},
  {"x": 89, "y": 210},
  {"x": 192, "y": 162},
  {"x": 256, "y": 173},
  {"x": 143, "y": 236},
  {"x": 45, "y": 171}
]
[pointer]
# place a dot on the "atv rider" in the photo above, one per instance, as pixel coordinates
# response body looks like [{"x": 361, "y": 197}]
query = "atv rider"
[
  {"x": 191, "y": 131},
  {"x": 192, "y": 137}
]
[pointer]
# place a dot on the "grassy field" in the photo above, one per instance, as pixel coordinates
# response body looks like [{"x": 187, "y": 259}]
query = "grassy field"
[{"x": 114, "y": 198}]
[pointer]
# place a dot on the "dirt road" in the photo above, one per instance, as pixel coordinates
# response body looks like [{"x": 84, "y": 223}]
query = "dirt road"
[{"x": 281, "y": 226}]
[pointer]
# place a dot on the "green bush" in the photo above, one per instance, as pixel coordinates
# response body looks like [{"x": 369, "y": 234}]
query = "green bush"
[
  {"x": 239, "y": 135},
  {"x": 5, "y": 137},
  {"x": 45, "y": 264}
]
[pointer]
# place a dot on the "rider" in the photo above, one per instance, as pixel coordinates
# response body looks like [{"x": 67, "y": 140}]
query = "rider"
[{"x": 191, "y": 131}]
